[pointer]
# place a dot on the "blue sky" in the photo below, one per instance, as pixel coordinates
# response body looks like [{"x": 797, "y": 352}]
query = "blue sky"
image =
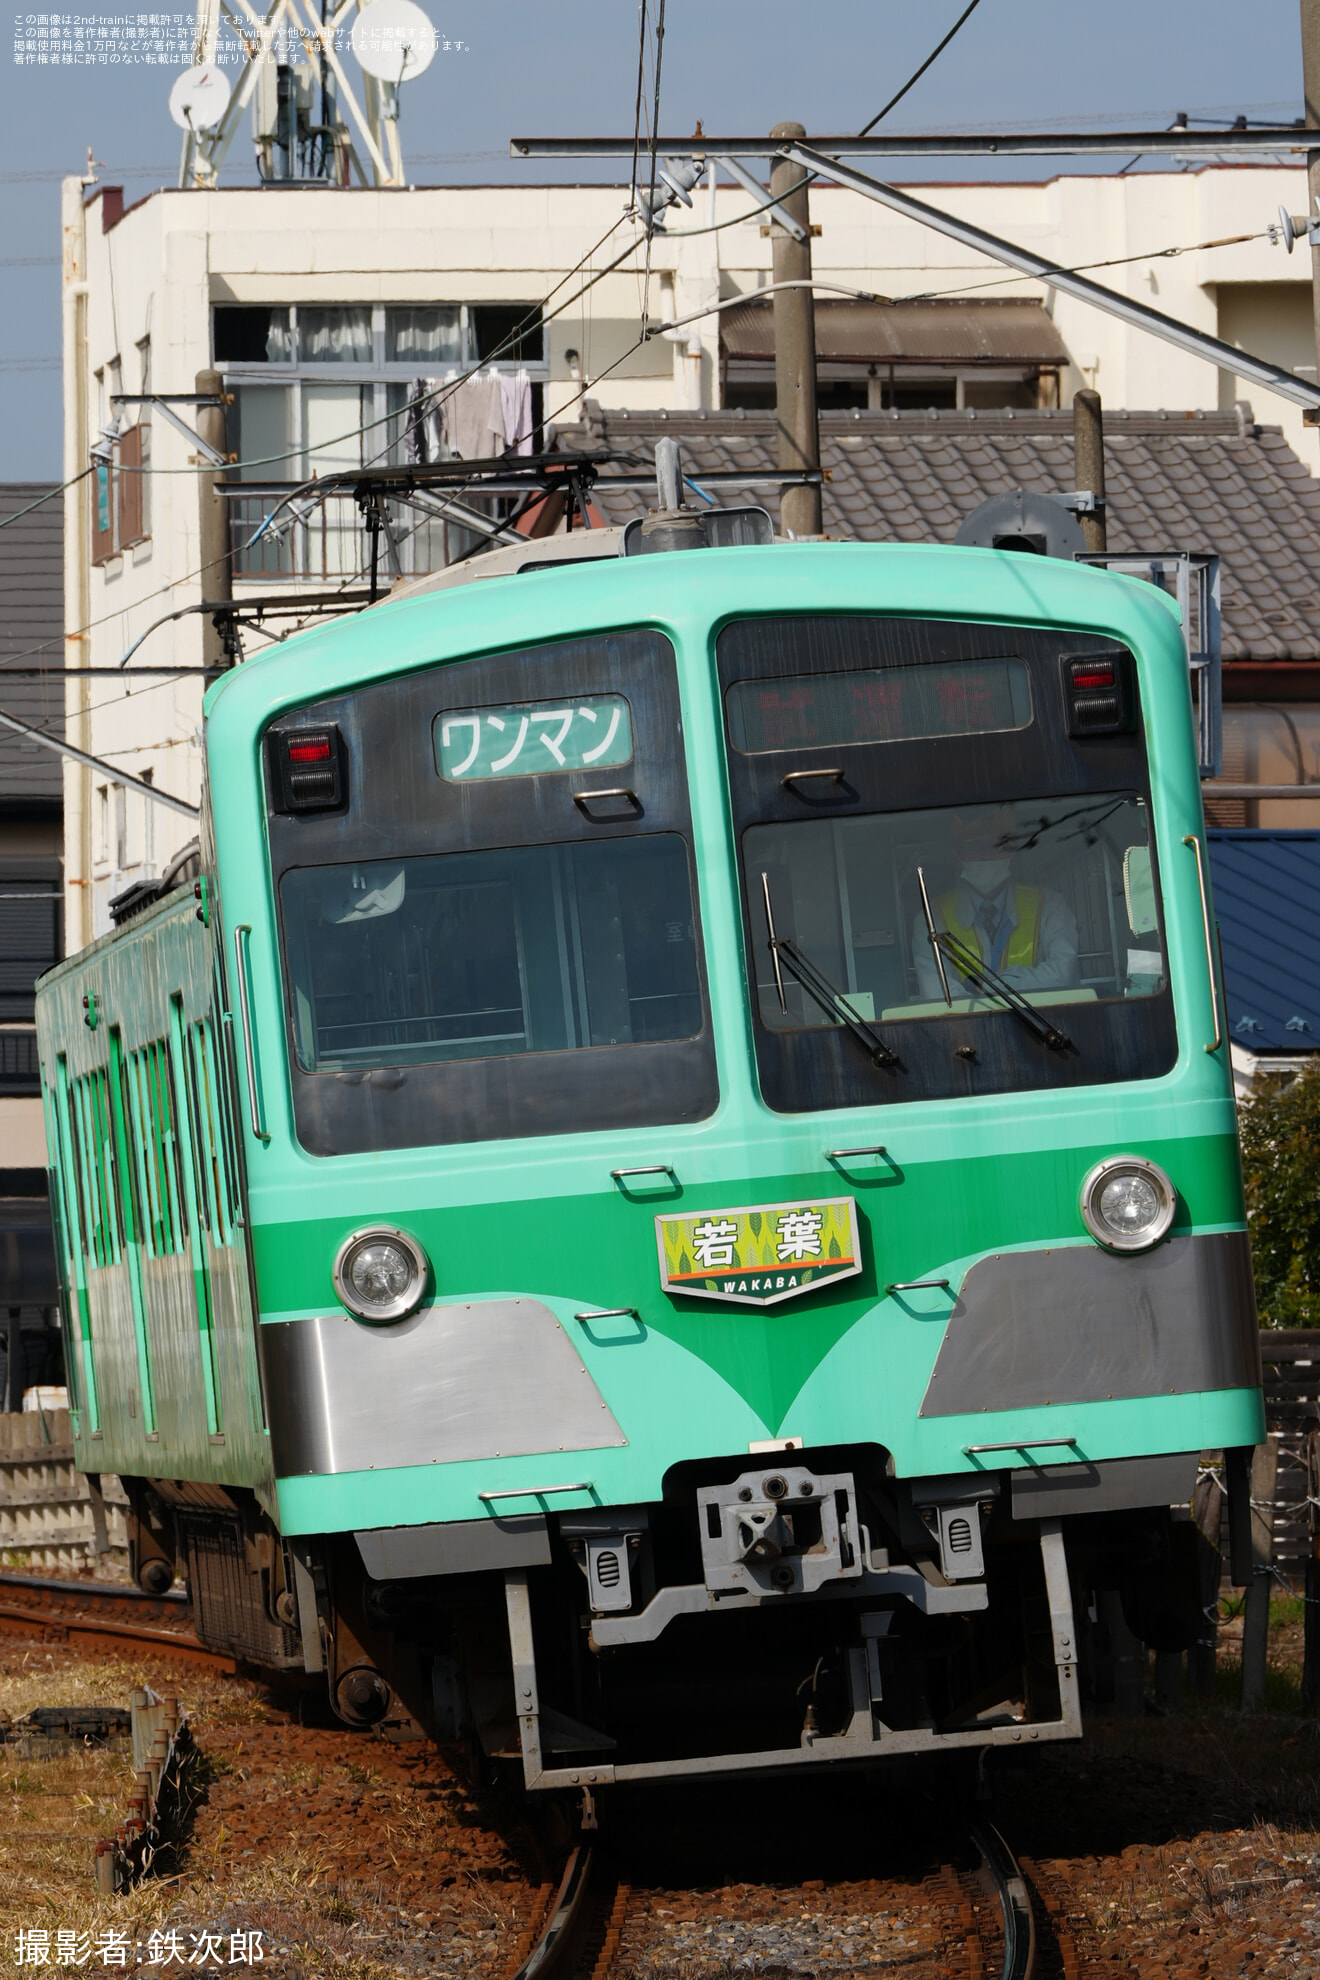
[{"x": 739, "y": 65}]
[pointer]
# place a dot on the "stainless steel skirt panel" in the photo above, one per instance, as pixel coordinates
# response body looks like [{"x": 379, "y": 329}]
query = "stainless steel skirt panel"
[
  {"x": 498, "y": 1378},
  {"x": 1079, "y": 1324},
  {"x": 1057, "y": 1491},
  {"x": 463, "y": 1546}
]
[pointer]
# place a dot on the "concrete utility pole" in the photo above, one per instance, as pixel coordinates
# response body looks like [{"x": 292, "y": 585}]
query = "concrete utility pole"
[
  {"x": 795, "y": 344},
  {"x": 1089, "y": 465},
  {"x": 1311, "y": 91},
  {"x": 216, "y": 557}
]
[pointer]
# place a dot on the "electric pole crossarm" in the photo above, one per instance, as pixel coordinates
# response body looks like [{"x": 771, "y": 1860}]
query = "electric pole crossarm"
[
  {"x": 98, "y": 763},
  {"x": 166, "y": 411},
  {"x": 759, "y": 193},
  {"x": 1196, "y": 343},
  {"x": 1286, "y": 138}
]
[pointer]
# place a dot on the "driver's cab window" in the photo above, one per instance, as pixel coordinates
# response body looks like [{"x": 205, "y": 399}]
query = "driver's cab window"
[{"x": 1055, "y": 896}]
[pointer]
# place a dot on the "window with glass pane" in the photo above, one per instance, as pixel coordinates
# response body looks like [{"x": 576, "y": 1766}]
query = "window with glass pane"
[
  {"x": 484, "y": 954},
  {"x": 251, "y": 335},
  {"x": 1057, "y": 895},
  {"x": 429, "y": 338},
  {"x": 264, "y": 422},
  {"x": 334, "y": 336}
]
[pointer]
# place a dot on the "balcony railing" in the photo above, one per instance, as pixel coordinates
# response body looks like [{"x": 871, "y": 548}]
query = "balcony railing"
[{"x": 279, "y": 534}]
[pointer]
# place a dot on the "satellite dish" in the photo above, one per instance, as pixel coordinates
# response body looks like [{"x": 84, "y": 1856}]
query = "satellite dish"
[
  {"x": 200, "y": 97},
  {"x": 393, "y": 40}
]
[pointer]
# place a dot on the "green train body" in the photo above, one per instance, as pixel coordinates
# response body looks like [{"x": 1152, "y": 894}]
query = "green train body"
[{"x": 642, "y": 1488}]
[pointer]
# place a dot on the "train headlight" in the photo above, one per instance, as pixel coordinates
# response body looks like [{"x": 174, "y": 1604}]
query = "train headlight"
[
  {"x": 1128, "y": 1203},
  {"x": 380, "y": 1274}
]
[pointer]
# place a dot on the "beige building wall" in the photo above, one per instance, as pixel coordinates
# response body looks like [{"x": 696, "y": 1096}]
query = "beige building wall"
[{"x": 141, "y": 293}]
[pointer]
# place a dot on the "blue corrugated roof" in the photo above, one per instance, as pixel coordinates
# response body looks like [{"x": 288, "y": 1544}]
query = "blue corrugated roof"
[{"x": 1267, "y": 901}]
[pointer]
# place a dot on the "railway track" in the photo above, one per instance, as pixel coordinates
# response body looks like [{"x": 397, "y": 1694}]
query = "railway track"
[
  {"x": 581, "y": 1925},
  {"x": 105, "y": 1616}
]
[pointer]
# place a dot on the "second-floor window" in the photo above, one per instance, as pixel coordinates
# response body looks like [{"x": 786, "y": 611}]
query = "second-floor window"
[{"x": 323, "y": 388}]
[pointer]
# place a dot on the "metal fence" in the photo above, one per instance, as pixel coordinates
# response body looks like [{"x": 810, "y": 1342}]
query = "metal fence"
[
  {"x": 50, "y": 1514},
  {"x": 325, "y": 537}
]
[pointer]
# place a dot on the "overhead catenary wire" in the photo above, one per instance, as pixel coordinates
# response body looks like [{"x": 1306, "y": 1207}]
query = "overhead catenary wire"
[
  {"x": 917, "y": 74},
  {"x": 637, "y": 110},
  {"x": 655, "y": 136},
  {"x": 911, "y": 83},
  {"x": 770, "y": 289},
  {"x": 934, "y": 295}
]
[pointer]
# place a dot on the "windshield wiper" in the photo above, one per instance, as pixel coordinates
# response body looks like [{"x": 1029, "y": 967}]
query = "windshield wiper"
[
  {"x": 987, "y": 979},
  {"x": 821, "y": 991}
]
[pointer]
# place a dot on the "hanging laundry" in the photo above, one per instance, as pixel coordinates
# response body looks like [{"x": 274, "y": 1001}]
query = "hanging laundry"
[
  {"x": 516, "y": 398},
  {"x": 473, "y": 416},
  {"x": 415, "y": 450},
  {"x": 424, "y": 428}
]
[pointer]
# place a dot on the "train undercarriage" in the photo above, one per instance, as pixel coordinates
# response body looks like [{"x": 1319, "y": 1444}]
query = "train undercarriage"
[{"x": 782, "y": 1610}]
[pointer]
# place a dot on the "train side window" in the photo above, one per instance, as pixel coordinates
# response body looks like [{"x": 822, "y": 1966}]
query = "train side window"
[
  {"x": 212, "y": 1141},
  {"x": 78, "y": 1195},
  {"x": 166, "y": 1137},
  {"x": 201, "y": 1162},
  {"x": 154, "y": 1144},
  {"x": 68, "y": 1210},
  {"x": 90, "y": 1111},
  {"x": 142, "y": 1142}
]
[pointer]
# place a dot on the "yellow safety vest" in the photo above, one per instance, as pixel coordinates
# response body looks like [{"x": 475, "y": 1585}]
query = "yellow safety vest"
[{"x": 1021, "y": 950}]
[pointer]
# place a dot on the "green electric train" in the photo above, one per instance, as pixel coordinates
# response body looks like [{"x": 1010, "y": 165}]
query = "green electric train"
[{"x": 667, "y": 1202}]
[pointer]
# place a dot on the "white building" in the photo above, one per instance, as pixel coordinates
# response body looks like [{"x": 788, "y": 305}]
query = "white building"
[{"x": 322, "y": 306}]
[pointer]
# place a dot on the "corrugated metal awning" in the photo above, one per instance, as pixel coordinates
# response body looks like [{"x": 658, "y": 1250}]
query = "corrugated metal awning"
[
  {"x": 1267, "y": 905},
  {"x": 952, "y": 333}
]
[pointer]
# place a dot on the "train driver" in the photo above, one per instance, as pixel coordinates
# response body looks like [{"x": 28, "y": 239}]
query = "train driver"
[{"x": 1027, "y": 934}]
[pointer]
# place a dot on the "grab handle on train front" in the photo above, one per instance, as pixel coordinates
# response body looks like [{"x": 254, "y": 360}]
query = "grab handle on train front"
[
  {"x": 1191, "y": 840},
  {"x": 243, "y": 970}
]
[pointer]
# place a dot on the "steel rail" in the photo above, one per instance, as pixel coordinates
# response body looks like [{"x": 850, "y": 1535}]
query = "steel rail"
[
  {"x": 85, "y": 1612},
  {"x": 554, "y": 1952},
  {"x": 1014, "y": 1901},
  {"x": 112, "y": 1593},
  {"x": 102, "y": 1632}
]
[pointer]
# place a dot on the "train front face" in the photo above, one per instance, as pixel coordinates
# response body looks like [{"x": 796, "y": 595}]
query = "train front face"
[{"x": 747, "y": 1222}]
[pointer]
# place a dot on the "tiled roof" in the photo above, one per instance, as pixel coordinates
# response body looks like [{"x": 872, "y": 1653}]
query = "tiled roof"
[
  {"x": 1175, "y": 481},
  {"x": 1267, "y": 903},
  {"x": 31, "y": 617}
]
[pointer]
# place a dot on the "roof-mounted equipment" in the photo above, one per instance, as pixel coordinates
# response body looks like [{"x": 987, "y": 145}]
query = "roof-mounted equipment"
[{"x": 671, "y": 525}]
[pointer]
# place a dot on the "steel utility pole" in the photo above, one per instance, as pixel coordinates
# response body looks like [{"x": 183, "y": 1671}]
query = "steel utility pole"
[
  {"x": 216, "y": 557},
  {"x": 795, "y": 344},
  {"x": 1089, "y": 466},
  {"x": 1311, "y": 91}
]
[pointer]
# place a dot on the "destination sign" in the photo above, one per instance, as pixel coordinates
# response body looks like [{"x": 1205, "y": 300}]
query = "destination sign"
[
  {"x": 761, "y": 1255},
  {"x": 530, "y": 740}
]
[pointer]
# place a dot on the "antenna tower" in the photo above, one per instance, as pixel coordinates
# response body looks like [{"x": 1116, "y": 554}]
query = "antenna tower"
[{"x": 310, "y": 125}]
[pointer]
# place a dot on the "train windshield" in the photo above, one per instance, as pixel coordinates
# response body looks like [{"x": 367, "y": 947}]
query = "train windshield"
[
  {"x": 524, "y": 949},
  {"x": 488, "y": 902},
  {"x": 903, "y": 911},
  {"x": 950, "y": 880}
]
